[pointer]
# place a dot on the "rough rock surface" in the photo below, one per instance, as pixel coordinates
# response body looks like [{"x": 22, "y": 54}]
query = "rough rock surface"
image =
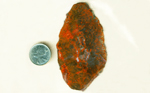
[{"x": 81, "y": 49}]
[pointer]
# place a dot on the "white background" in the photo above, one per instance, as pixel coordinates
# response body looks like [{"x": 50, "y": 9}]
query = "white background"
[{"x": 24, "y": 23}]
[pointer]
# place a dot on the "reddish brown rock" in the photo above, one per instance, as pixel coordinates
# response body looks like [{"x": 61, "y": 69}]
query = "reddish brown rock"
[{"x": 81, "y": 49}]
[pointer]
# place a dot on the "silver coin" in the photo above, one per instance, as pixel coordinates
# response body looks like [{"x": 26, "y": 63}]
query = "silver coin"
[{"x": 40, "y": 54}]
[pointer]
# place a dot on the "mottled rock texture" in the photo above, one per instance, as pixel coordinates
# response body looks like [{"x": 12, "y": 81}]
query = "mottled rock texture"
[{"x": 81, "y": 49}]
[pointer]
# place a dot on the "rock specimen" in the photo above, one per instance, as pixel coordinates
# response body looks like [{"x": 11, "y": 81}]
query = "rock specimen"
[{"x": 81, "y": 49}]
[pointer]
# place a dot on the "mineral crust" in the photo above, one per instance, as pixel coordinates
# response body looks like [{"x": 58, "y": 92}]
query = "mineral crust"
[{"x": 81, "y": 49}]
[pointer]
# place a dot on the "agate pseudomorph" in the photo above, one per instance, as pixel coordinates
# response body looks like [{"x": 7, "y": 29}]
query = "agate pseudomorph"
[{"x": 81, "y": 49}]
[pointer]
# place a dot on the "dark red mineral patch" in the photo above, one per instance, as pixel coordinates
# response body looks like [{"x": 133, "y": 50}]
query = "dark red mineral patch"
[{"x": 81, "y": 49}]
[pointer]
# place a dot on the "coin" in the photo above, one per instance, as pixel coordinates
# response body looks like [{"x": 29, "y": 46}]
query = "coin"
[{"x": 40, "y": 54}]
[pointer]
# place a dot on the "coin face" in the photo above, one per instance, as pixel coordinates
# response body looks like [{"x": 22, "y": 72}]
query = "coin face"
[{"x": 40, "y": 54}]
